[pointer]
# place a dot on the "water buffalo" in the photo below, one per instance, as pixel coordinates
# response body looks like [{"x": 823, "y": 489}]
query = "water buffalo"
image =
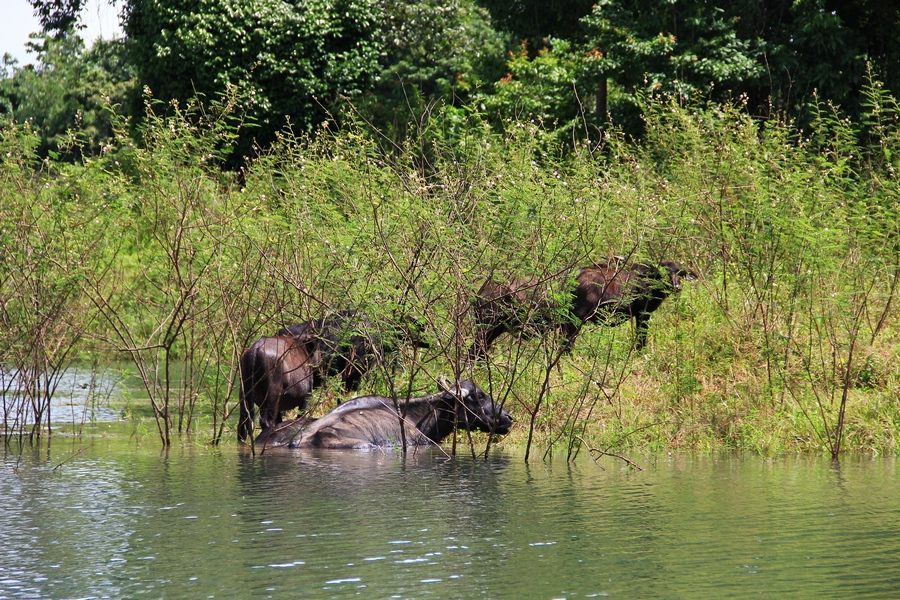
[
  {"x": 277, "y": 374},
  {"x": 339, "y": 344},
  {"x": 347, "y": 344},
  {"x": 373, "y": 422},
  {"x": 522, "y": 304},
  {"x": 613, "y": 291},
  {"x": 609, "y": 292}
]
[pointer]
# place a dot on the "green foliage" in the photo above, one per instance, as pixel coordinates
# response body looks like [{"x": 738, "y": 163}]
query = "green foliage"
[
  {"x": 54, "y": 223},
  {"x": 684, "y": 47},
  {"x": 59, "y": 17},
  {"x": 541, "y": 89},
  {"x": 68, "y": 96},
  {"x": 536, "y": 20},
  {"x": 784, "y": 342},
  {"x": 434, "y": 51},
  {"x": 438, "y": 47},
  {"x": 146, "y": 247},
  {"x": 288, "y": 61},
  {"x": 292, "y": 64},
  {"x": 823, "y": 46}
]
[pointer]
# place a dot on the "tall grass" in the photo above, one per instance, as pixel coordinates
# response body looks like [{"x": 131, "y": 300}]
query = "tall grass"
[{"x": 787, "y": 340}]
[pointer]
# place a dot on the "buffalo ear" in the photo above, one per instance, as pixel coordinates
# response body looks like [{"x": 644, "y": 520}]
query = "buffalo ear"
[{"x": 466, "y": 387}]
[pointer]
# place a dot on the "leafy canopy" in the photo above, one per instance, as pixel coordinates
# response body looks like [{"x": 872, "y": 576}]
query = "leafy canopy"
[
  {"x": 287, "y": 60},
  {"x": 69, "y": 90}
]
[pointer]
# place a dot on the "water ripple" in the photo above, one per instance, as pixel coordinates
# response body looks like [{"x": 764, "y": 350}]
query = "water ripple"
[{"x": 133, "y": 524}]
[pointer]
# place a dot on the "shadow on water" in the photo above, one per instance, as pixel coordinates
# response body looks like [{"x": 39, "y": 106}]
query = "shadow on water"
[{"x": 378, "y": 521}]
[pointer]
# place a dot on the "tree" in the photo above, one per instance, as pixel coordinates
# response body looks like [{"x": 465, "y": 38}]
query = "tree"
[
  {"x": 535, "y": 21},
  {"x": 69, "y": 91},
  {"x": 683, "y": 47},
  {"x": 686, "y": 47},
  {"x": 545, "y": 89},
  {"x": 285, "y": 60},
  {"x": 433, "y": 49},
  {"x": 822, "y": 46},
  {"x": 58, "y": 17}
]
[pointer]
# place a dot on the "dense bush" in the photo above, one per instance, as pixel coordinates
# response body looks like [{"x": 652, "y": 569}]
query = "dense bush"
[{"x": 786, "y": 341}]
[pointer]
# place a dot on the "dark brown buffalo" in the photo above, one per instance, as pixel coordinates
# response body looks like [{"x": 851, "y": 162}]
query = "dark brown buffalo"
[
  {"x": 612, "y": 292},
  {"x": 522, "y": 304},
  {"x": 341, "y": 344},
  {"x": 609, "y": 292},
  {"x": 277, "y": 374},
  {"x": 348, "y": 345},
  {"x": 373, "y": 421}
]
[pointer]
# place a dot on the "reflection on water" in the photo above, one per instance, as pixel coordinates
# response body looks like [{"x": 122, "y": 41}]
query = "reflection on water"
[
  {"x": 115, "y": 520},
  {"x": 81, "y": 394}
]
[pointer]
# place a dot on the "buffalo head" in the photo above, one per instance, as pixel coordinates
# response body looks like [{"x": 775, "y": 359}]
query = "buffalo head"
[
  {"x": 677, "y": 273},
  {"x": 476, "y": 410}
]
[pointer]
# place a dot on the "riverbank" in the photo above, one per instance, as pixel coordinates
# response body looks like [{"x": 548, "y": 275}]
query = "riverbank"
[
  {"x": 788, "y": 339},
  {"x": 643, "y": 422}
]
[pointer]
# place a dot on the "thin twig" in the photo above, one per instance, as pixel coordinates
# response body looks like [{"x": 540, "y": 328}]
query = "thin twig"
[
  {"x": 601, "y": 453},
  {"x": 74, "y": 455}
]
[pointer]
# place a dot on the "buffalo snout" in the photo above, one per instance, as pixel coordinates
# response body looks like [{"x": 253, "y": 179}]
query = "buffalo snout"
[{"x": 503, "y": 423}]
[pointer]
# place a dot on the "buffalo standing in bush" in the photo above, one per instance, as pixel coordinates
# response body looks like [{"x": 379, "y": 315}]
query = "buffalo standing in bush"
[
  {"x": 343, "y": 345},
  {"x": 279, "y": 373},
  {"x": 348, "y": 345},
  {"x": 610, "y": 292}
]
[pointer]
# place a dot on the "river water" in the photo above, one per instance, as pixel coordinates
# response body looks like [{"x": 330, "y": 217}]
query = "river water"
[{"x": 105, "y": 517}]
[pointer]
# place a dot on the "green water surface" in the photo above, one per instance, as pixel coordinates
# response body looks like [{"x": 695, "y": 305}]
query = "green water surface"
[{"x": 105, "y": 517}]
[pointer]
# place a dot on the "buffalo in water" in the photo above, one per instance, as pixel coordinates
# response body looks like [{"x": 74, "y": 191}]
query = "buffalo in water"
[
  {"x": 279, "y": 373},
  {"x": 609, "y": 292},
  {"x": 374, "y": 421},
  {"x": 347, "y": 344}
]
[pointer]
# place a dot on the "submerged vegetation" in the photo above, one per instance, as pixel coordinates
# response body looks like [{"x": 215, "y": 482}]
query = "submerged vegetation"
[{"x": 788, "y": 340}]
